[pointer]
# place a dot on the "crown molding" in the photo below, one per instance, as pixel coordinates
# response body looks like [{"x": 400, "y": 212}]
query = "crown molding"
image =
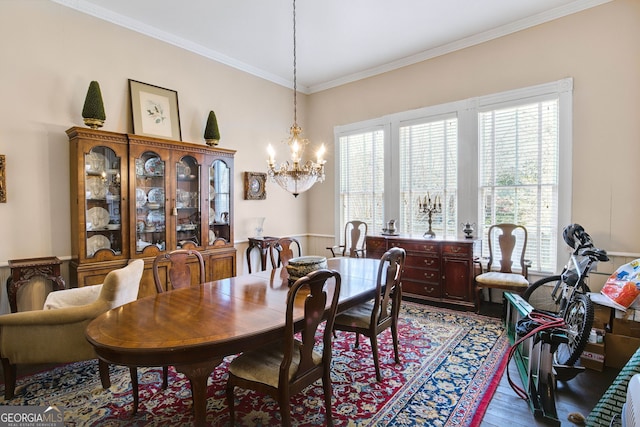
[
  {"x": 476, "y": 39},
  {"x": 134, "y": 25}
]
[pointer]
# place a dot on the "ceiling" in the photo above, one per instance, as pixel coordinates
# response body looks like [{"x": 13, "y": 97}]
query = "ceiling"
[{"x": 337, "y": 41}]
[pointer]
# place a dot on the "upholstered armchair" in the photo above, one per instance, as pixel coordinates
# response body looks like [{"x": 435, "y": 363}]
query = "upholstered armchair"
[{"x": 56, "y": 334}]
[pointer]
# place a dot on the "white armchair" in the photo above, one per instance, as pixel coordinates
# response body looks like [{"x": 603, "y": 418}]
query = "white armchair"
[{"x": 56, "y": 334}]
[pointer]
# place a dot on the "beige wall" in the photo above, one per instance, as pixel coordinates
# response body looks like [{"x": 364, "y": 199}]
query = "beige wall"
[
  {"x": 50, "y": 53},
  {"x": 599, "y": 48}
]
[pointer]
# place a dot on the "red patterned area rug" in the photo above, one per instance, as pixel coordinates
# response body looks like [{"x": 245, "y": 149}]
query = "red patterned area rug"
[{"x": 451, "y": 364}]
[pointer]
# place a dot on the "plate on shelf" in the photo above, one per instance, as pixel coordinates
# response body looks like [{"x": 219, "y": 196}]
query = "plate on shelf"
[
  {"x": 155, "y": 217},
  {"x": 212, "y": 193},
  {"x": 156, "y": 195},
  {"x": 95, "y": 162},
  {"x": 141, "y": 197},
  {"x": 154, "y": 166},
  {"x": 96, "y": 188},
  {"x": 183, "y": 169},
  {"x": 97, "y": 242},
  {"x": 98, "y": 217},
  {"x": 182, "y": 198}
]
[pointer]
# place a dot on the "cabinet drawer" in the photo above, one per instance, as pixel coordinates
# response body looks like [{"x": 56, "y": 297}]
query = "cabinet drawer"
[
  {"x": 416, "y": 288},
  {"x": 376, "y": 245},
  {"x": 430, "y": 262},
  {"x": 457, "y": 249},
  {"x": 412, "y": 246},
  {"x": 421, "y": 275}
]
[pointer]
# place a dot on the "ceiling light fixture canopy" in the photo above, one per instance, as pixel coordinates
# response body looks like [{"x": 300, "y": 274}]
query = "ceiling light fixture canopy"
[{"x": 296, "y": 176}]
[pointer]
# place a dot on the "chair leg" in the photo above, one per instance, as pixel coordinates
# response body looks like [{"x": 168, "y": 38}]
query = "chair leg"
[
  {"x": 165, "y": 377},
  {"x": 326, "y": 385},
  {"x": 103, "y": 368},
  {"x": 133, "y": 371},
  {"x": 285, "y": 410},
  {"x": 374, "y": 350},
  {"x": 478, "y": 299},
  {"x": 9, "y": 379},
  {"x": 230, "y": 399},
  {"x": 394, "y": 334},
  {"x": 357, "y": 344}
]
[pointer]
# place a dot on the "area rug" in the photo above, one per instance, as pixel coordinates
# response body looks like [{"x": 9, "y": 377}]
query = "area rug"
[{"x": 451, "y": 364}]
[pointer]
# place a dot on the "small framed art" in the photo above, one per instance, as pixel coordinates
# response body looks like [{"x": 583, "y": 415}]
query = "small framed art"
[
  {"x": 154, "y": 111},
  {"x": 254, "y": 186}
]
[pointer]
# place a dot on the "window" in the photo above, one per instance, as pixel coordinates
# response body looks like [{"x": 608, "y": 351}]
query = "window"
[
  {"x": 504, "y": 157},
  {"x": 428, "y": 172},
  {"x": 519, "y": 174},
  {"x": 361, "y": 159}
]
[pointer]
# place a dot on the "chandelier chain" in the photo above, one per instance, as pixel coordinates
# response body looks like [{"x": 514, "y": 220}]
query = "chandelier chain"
[{"x": 295, "y": 86}]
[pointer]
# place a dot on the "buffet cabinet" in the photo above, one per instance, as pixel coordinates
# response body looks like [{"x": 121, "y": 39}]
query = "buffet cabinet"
[
  {"x": 440, "y": 271},
  {"x": 136, "y": 197}
]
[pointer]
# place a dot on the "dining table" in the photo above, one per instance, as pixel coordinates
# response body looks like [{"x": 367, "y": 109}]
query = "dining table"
[{"x": 194, "y": 328}]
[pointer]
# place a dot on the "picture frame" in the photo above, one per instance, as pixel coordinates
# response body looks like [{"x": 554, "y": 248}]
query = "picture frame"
[
  {"x": 3, "y": 183},
  {"x": 254, "y": 186},
  {"x": 154, "y": 111}
]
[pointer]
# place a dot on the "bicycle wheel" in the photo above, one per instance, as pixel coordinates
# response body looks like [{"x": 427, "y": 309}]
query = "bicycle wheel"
[
  {"x": 579, "y": 319},
  {"x": 538, "y": 294}
]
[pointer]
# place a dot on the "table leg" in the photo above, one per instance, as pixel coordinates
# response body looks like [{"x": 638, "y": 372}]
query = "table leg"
[{"x": 198, "y": 374}]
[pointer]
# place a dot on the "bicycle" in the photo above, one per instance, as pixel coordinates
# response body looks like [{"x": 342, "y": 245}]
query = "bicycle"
[{"x": 565, "y": 294}]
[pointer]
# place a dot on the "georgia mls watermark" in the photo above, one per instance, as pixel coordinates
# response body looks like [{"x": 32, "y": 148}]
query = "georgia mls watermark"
[{"x": 31, "y": 416}]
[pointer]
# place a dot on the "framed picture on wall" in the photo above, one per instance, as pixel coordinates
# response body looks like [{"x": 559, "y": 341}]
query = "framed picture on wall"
[
  {"x": 154, "y": 111},
  {"x": 254, "y": 186}
]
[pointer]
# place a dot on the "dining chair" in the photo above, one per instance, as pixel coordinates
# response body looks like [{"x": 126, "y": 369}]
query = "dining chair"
[
  {"x": 283, "y": 249},
  {"x": 286, "y": 367},
  {"x": 507, "y": 245},
  {"x": 373, "y": 317},
  {"x": 355, "y": 233},
  {"x": 178, "y": 270},
  {"x": 178, "y": 275}
]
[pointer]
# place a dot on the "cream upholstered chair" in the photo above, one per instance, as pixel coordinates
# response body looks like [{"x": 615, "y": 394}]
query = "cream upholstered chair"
[
  {"x": 288, "y": 366},
  {"x": 57, "y": 334},
  {"x": 355, "y": 233},
  {"x": 373, "y": 317},
  {"x": 507, "y": 245}
]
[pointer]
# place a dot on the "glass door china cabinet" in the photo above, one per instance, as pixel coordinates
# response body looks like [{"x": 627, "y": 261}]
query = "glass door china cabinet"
[
  {"x": 220, "y": 214},
  {"x": 140, "y": 196},
  {"x": 99, "y": 216}
]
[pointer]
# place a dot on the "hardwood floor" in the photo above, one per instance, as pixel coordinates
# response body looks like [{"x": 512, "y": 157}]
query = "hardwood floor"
[{"x": 579, "y": 395}]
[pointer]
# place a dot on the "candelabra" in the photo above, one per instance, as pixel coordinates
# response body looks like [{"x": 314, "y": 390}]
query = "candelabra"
[{"x": 429, "y": 208}]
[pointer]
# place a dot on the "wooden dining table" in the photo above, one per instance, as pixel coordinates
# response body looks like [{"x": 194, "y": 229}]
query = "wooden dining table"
[{"x": 194, "y": 328}]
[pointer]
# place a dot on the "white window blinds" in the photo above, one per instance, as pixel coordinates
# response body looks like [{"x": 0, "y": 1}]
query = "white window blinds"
[
  {"x": 362, "y": 178},
  {"x": 429, "y": 167},
  {"x": 519, "y": 148}
]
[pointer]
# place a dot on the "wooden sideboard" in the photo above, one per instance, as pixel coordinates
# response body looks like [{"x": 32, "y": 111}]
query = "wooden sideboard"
[{"x": 436, "y": 270}]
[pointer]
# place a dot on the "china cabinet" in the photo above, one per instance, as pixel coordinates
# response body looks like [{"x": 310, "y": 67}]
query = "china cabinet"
[
  {"x": 435, "y": 270},
  {"x": 140, "y": 196}
]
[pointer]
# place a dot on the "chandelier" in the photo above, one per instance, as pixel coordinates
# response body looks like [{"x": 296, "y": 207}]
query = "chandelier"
[{"x": 296, "y": 176}]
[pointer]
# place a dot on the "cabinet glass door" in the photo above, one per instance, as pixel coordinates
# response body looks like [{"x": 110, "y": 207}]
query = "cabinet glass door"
[
  {"x": 102, "y": 207},
  {"x": 187, "y": 203},
  {"x": 219, "y": 202},
  {"x": 150, "y": 201}
]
